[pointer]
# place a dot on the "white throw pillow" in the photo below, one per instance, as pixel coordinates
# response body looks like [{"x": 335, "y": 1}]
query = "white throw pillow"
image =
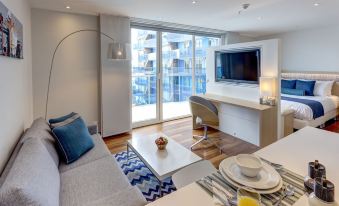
[{"x": 323, "y": 88}]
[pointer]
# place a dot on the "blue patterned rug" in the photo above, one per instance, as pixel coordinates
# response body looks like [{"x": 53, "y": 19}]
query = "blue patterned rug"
[{"x": 139, "y": 175}]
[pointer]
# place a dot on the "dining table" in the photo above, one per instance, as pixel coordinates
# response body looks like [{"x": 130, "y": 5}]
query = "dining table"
[{"x": 294, "y": 152}]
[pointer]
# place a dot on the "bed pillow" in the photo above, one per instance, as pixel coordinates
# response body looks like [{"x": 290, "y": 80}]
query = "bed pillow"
[
  {"x": 308, "y": 86},
  {"x": 297, "y": 92},
  {"x": 323, "y": 88},
  {"x": 73, "y": 138},
  {"x": 288, "y": 84}
]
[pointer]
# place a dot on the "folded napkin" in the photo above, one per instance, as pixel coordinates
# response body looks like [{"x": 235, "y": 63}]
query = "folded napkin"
[{"x": 219, "y": 195}]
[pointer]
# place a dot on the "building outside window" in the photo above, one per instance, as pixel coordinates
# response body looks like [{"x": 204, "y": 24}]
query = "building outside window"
[{"x": 176, "y": 72}]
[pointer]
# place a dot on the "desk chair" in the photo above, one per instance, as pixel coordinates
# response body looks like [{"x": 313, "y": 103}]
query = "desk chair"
[{"x": 204, "y": 111}]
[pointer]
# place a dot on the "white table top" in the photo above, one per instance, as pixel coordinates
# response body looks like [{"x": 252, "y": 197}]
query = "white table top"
[
  {"x": 293, "y": 151},
  {"x": 162, "y": 163}
]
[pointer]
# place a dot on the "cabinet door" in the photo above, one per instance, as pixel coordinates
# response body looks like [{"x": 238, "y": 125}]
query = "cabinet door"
[{"x": 115, "y": 78}]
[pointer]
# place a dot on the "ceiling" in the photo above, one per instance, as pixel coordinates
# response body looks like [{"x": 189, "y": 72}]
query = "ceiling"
[{"x": 263, "y": 17}]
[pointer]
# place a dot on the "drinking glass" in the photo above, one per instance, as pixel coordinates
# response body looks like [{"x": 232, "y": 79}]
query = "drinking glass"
[{"x": 248, "y": 197}]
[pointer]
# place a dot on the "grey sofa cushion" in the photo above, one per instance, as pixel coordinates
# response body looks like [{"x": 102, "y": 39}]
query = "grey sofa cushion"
[
  {"x": 91, "y": 181},
  {"x": 127, "y": 197},
  {"x": 99, "y": 151},
  {"x": 40, "y": 130},
  {"x": 33, "y": 179}
]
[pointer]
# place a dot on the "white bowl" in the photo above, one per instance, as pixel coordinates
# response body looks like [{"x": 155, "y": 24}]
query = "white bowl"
[{"x": 250, "y": 165}]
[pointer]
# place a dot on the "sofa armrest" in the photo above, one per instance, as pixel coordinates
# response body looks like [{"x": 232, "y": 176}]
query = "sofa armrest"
[{"x": 126, "y": 197}]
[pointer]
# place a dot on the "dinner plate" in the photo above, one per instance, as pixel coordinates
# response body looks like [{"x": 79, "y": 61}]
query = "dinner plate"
[
  {"x": 260, "y": 191},
  {"x": 267, "y": 178}
]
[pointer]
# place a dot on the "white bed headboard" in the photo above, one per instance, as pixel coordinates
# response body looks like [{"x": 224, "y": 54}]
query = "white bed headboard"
[{"x": 321, "y": 76}]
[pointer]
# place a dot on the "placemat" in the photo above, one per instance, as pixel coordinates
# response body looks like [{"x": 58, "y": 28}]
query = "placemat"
[{"x": 288, "y": 177}]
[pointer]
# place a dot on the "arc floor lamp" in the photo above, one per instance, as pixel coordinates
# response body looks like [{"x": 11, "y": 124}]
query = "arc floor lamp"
[{"x": 116, "y": 51}]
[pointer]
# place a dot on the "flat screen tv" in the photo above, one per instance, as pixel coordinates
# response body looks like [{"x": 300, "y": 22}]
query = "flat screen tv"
[{"x": 242, "y": 66}]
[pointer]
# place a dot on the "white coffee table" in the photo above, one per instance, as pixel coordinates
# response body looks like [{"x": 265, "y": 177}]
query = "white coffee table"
[{"x": 162, "y": 163}]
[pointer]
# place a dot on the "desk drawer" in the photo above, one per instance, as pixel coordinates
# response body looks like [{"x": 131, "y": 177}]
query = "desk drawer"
[
  {"x": 240, "y": 112},
  {"x": 240, "y": 128}
]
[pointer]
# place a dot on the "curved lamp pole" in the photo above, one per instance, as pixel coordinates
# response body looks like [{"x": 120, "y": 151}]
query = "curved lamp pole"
[{"x": 56, "y": 49}]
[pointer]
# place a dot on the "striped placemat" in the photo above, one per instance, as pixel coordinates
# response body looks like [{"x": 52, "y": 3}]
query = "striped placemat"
[{"x": 288, "y": 177}]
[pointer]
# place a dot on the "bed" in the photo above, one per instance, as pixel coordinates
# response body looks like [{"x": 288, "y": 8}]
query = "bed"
[{"x": 305, "y": 109}]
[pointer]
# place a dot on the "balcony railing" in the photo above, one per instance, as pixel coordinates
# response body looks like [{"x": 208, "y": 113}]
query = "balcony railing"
[{"x": 177, "y": 87}]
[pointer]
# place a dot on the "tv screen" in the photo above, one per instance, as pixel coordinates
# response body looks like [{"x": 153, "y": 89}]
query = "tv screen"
[{"x": 241, "y": 66}]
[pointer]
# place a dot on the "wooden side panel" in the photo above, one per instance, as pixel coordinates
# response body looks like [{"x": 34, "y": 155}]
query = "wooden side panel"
[{"x": 269, "y": 125}]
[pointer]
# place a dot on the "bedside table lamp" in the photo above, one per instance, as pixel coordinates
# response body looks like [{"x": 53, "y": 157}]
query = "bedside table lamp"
[{"x": 267, "y": 91}]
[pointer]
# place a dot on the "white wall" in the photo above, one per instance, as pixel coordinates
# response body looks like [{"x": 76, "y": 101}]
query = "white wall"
[
  {"x": 234, "y": 38},
  {"x": 75, "y": 80},
  {"x": 15, "y": 86},
  {"x": 310, "y": 50},
  {"x": 270, "y": 66}
]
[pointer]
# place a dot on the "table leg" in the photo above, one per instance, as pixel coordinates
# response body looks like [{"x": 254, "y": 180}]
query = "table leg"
[
  {"x": 127, "y": 153},
  {"x": 160, "y": 185}
]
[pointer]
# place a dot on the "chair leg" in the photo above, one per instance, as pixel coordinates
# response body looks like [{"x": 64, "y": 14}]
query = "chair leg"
[{"x": 202, "y": 138}]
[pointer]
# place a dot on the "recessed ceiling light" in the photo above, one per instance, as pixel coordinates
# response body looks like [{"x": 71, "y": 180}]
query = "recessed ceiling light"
[
  {"x": 68, "y": 7},
  {"x": 316, "y": 4},
  {"x": 194, "y": 2}
]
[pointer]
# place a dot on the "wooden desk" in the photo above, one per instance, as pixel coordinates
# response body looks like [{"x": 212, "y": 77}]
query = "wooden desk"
[
  {"x": 246, "y": 120},
  {"x": 235, "y": 101},
  {"x": 290, "y": 152}
]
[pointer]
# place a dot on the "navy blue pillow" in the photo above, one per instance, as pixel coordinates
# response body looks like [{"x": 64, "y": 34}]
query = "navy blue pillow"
[
  {"x": 308, "y": 86},
  {"x": 61, "y": 119},
  {"x": 297, "y": 92},
  {"x": 288, "y": 84},
  {"x": 73, "y": 138}
]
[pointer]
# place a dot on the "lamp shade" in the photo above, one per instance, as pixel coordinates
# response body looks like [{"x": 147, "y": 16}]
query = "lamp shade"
[
  {"x": 267, "y": 86},
  {"x": 118, "y": 51}
]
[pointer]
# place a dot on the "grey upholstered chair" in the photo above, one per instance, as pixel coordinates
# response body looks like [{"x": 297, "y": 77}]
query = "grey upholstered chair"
[{"x": 204, "y": 111}]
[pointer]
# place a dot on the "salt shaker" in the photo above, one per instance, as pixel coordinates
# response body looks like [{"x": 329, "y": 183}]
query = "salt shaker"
[{"x": 315, "y": 169}]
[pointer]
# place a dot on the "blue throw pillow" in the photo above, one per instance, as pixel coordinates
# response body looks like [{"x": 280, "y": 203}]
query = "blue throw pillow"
[
  {"x": 61, "y": 119},
  {"x": 297, "y": 92},
  {"x": 73, "y": 138},
  {"x": 308, "y": 86},
  {"x": 288, "y": 84}
]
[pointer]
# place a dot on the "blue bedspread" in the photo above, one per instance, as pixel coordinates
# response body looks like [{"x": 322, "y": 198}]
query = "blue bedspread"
[{"x": 317, "y": 107}]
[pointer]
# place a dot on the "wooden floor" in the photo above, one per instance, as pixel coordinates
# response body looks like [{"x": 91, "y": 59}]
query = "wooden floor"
[{"x": 181, "y": 131}]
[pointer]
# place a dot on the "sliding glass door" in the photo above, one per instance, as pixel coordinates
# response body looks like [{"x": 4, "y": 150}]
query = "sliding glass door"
[
  {"x": 177, "y": 62},
  {"x": 167, "y": 68},
  {"x": 144, "y": 76}
]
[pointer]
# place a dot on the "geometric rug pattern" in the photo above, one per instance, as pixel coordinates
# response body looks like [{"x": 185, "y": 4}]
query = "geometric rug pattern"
[{"x": 139, "y": 175}]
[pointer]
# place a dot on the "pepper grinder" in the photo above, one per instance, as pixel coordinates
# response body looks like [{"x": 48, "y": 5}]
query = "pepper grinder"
[
  {"x": 315, "y": 169},
  {"x": 323, "y": 193}
]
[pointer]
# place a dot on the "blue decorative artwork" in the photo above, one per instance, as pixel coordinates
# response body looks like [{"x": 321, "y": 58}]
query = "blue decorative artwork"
[{"x": 11, "y": 34}]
